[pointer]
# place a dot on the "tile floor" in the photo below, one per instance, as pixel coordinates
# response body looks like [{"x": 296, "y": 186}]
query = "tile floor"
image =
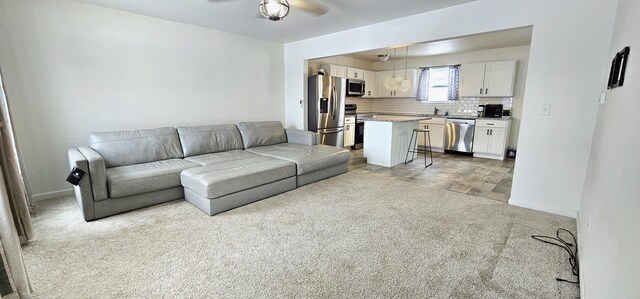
[{"x": 474, "y": 176}]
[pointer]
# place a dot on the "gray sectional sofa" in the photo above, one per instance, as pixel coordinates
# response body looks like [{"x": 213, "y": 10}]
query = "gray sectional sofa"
[{"x": 215, "y": 167}]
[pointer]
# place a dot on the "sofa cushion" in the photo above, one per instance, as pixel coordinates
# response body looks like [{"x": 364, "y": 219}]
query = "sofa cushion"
[
  {"x": 146, "y": 177},
  {"x": 308, "y": 158},
  {"x": 199, "y": 140},
  {"x": 262, "y": 133},
  {"x": 223, "y": 157},
  {"x": 227, "y": 177},
  {"x": 135, "y": 147}
]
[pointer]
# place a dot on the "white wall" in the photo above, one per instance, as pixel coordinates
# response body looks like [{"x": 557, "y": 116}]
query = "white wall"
[
  {"x": 73, "y": 68},
  {"x": 609, "y": 220},
  {"x": 568, "y": 57}
]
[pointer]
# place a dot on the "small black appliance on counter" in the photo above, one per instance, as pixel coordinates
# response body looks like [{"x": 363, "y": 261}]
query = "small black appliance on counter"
[
  {"x": 493, "y": 110},
  {"x": 350, "y": 109},
  {"x": 481, "y": 110}
]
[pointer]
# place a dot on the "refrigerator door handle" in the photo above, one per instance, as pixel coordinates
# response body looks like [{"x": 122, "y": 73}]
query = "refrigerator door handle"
[
  {"x": 330, "y": 131},
  {"x": 333, "y": 101}
]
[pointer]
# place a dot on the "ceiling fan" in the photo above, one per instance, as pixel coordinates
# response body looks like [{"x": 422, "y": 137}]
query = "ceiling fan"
[{"x": 276, "y": 10}]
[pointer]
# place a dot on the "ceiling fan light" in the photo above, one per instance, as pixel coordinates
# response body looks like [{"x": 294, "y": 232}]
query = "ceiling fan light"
[
  {"x": 383, "y": 57},
  {"x": 274, "y": 10}
]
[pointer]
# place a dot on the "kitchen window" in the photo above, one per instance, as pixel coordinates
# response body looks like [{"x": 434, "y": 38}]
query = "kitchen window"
[{"x": 438, "y": 84}]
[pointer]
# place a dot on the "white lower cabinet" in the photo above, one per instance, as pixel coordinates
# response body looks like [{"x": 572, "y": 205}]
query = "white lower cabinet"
[
  {"x": 491, "y": 138},
  {"x": 349, "y": 131},
  {"x": 436, "y": 130}
]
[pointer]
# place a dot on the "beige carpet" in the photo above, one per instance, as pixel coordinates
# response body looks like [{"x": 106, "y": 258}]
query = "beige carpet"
[{"x": 358, "y": 235}]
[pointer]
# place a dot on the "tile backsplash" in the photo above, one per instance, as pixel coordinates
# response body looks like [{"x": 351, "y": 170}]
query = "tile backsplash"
[{"x": 463, "y": 106}]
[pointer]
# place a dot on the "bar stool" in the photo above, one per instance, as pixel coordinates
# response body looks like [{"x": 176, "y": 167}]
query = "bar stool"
[{"x": 416, "y": 150}]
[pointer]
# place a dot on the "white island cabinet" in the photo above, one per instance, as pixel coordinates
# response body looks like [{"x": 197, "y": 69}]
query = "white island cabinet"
[{"x": 386, "y": 138}]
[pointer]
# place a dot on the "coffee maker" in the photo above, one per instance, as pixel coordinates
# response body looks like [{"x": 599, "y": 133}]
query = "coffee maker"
[{"x": 481, "y": 110}]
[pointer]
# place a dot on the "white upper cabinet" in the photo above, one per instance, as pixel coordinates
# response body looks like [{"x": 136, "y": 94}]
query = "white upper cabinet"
[
  {"x": 370, "y": 84},
  {"x": 499, "y": 78},
  {"x": 410, "y": 92},
  {"x": 374, "y": 84},
  {"x": 489, "y": 79},
  {"x": 354, "y": 73},
  {"x": 472, "y": 79},
  {"x": 335, "y": 70},
  {"x": 384, "y": 92}
]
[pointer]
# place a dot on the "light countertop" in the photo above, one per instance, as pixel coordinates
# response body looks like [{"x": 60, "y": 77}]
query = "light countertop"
[
  {"x": 370, "y": 115},
  {"x": 396, "y": 118}
]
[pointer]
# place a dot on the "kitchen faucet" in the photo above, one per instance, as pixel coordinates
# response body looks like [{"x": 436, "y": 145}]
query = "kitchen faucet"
[{"x": 435, "y": 110}]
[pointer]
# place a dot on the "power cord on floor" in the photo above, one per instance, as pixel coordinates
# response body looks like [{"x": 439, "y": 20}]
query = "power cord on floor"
[{"x": 571, "y": 248}]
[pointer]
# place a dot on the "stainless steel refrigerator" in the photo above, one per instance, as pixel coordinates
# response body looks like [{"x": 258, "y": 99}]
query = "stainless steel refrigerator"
[{"x": 326, "y": 108}]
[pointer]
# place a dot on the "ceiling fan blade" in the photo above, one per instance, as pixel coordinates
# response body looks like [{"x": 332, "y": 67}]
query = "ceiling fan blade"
[{"x": 310, "y": 6}]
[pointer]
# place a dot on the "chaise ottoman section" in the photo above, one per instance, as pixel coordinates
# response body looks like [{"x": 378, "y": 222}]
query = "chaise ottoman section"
[
  {"x": 313, "y": 162},
  {"x": 222, "y": 186}
]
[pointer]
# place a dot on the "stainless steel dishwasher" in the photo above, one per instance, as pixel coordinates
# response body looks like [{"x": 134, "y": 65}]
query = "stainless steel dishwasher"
[{"x": 458, "y": 135}]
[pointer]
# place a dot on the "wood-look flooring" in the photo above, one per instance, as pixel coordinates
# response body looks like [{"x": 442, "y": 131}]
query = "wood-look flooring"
[{"x": 486, "y": 178}]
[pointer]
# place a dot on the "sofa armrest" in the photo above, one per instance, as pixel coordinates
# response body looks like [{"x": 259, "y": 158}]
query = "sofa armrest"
[
  {"x": 301, "y": 137},
  {"x": 97, "y": 171},
  {"x": 83, "y": 192}
]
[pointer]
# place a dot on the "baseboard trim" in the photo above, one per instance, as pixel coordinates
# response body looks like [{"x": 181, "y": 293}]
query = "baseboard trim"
[
  {"x": 52, "y": 194},
  {"x": 543, "y": 207},
  {"x": 583, "y": 287}
]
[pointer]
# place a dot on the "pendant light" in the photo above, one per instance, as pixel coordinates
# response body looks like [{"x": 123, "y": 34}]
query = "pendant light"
[
  {"x": 405, "y": 84},
  {"x": 274, "y": 10},
  {"x": 392, "y": 83}
]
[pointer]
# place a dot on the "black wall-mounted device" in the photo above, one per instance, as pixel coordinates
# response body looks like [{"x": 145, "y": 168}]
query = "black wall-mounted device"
[{"x": 76, "y": 176}]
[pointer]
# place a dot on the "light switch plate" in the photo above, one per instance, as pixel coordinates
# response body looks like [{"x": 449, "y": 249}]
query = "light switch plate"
[
  {"x": 603, "y": 98},
  {"x": 545, "y": 109}
]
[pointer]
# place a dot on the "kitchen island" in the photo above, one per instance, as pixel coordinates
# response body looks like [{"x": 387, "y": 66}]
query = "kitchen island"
[{"x": 386, "y": 138}]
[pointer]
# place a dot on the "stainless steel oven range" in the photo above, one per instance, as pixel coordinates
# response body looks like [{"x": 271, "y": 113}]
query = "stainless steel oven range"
[{"x": 359, "y": 139}]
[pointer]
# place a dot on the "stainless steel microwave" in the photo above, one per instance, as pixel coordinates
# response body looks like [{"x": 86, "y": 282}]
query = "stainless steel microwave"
[{"x": 355, "y": 87}]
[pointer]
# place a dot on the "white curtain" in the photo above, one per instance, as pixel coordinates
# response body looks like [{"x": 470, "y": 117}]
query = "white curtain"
[
  {"x": 12, "y": 170},
  {"x": 14, "y": 282},
  {"x": 15, "y": 221}
]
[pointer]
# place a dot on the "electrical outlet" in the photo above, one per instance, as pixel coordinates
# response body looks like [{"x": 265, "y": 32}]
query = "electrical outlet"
[
  {"x": 545, "y": 109},
  {"x": 603, "y": 98}
]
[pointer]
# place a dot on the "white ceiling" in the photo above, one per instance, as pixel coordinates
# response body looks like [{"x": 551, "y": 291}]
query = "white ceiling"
[
  {"x": 477, "y": 42},
  {"x": 240, "y": 16}
]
